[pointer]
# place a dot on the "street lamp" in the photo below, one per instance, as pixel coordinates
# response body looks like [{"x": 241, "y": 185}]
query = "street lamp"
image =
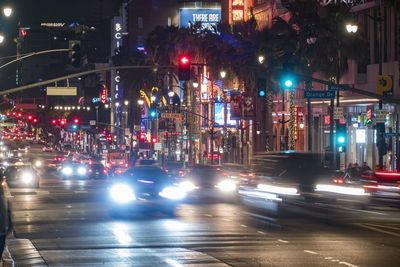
[
  {"x": 261, "y": 59},
  {"x": 126, "y": 102},
  {"x": 171, "y": 94},
  {"x": 222, "y": 74},
  {"x": 7, "y": 11},
  {"x": 1, "y": 38},
  {"x": 153, "y": 98},
  {"x": 140, "y": 102},
  {"x": 351, "y": 28}
]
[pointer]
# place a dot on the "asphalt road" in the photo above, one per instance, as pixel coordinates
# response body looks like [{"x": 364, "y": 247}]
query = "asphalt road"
[{"x": 69, "y": 225}]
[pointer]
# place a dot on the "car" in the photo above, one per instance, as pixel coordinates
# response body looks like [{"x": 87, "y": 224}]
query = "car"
[
  {"x": 174, "y": 168},
  {"x": 146, "y": 162},
  {"x": 97, "y": 171},
  {"x": 74, "y": 170},
  {"x": 21, "y": 175},
  {"x": 47, "y": 149},
  {"x": 383, "y": 186},
  {"x": 293, "y": 180},
  {"x": 206, "y": 182},
  {"x": 145, "y": 188}
]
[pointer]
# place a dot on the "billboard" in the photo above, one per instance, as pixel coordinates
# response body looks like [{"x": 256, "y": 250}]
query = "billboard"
[
  {"x": 207, "y": 17},
  {"x": 219, "y": 115}
]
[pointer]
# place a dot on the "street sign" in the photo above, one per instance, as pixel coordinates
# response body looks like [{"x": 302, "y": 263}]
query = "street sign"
[
  {"x": 319, "y": 94},
  {"x": 157, "y": 146},
  {"x": 175, "y": 116},
  {"x": 92, "y": 122},
  {"x": 380, "y": 115},
  {"x": 338, "y": 113},
  {"x": 61, "y": 91},
  {"x": 385, "y": 85},
  {"x": 337, "y": 87}
]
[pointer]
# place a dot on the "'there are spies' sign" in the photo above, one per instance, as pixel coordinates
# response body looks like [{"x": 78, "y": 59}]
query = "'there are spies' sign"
[{"x": 207, "y": 17}]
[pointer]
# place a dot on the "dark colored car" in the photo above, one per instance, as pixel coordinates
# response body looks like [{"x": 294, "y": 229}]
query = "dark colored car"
[
  {"x": 145, "y": 188},
  {"x": 74, "y": 170},
  {"x": 21, "y": 176},
  {"x": 97, "y": 171},
  {"x": 295, "y": 179},
  {"x": 206, "y": 182}
]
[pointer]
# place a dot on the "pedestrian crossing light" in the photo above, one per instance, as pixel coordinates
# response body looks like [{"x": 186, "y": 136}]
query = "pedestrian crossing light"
[{"x": 261, "y": 87}]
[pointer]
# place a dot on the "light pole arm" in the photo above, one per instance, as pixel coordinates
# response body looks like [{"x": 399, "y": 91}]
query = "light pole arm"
[{"x": 34, "y": 54}]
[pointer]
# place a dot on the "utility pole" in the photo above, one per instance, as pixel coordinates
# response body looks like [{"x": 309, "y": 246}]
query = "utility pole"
[
  {"x": 380, "y": 127},
  {"x": 309, "y": 119}
]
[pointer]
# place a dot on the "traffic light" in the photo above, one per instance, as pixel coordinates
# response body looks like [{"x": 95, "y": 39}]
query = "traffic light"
[
  {"x": 154, "y": 139},
  {"x": 54, "y": 122},
  {"x": 30, "y": 117},
  {"x": 288, "y": 82},
  {"x": 34, "y": 120},
  {"x": 75, "y": 53},
  {"x": 262, "y": 87},
  {"x": 184, "y": 68},
  {"x": 76, "y": 120},
  {"x": 153, "y": 113},
  {"x": 341, "y": 137}
]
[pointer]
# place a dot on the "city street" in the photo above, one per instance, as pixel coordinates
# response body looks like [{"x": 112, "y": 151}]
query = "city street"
[{"x": 69, "y": 225}]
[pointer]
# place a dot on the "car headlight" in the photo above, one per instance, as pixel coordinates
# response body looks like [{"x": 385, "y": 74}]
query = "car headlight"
[
  {"x": 227, "y": 185},
  {"x": 5, "y": 163},
  {"x": 81, "y": 171},
  {"x": 38, "y": 163},
  {"x": 67, "y": 170},
  {"x": 173, "y": 192},
  {"x": 187, "y": 186},
  {"x": 27, "y": 177},
  {"x": 19, "y": 154},
  {"x": 122, "y": 193}
]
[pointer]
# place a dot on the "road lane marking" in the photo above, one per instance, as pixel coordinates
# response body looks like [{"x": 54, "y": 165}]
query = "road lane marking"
[
  {"x": 283, "y": 241},
  {"x": 42, "y": 192},
  {"x": 261, "y": 232},
  {"x": 378, "y": 230},
  {"x": 225, "y": 219},
  {"x": 328, "y": 258},
  {"x": 245, "y": 226},
  {"x": 208, "y": 215},
  {"x": 310, "y": 252},
  {"x": 81, "y": 192},
  {"x": 383, "y": 226},
  {"x": 347, "y": 264}
]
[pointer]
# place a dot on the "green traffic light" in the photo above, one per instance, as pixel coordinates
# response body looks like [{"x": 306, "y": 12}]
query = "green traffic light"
[
  {"x": 288, "y": 83},
  {"x": 261, "y": 93},
  {"x": 341, "y": 139},
  {"x": 153, "y": 113}
]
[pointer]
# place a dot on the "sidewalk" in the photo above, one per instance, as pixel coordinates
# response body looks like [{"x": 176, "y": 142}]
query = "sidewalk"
[{"x": 21, "y": 252}]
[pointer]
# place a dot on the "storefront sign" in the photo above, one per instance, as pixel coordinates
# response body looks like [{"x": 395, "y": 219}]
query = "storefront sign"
[
  {"x": 207, "y": 17},
  {"x": 219, "y": 115},
  {"x": 103, "y": 94},
  {"x": 360, "y": 136}
]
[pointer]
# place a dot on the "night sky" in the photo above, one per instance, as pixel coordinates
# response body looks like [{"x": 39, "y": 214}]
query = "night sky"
[{"x": 33, "y": 12}]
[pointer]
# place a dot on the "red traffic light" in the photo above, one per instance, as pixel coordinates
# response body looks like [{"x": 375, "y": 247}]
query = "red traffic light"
[
  {"x": 30, "y": 117},
  {"x": 19, "y": 114},
  {"x": 53, "y": 121},
  {"x": 154, "y": 139},
  {"x": 184, "y": 60},
  {"x": 35, "y": 120},
  {"x": 63, "y": 122},
  {"x": 76, "y": 121}
]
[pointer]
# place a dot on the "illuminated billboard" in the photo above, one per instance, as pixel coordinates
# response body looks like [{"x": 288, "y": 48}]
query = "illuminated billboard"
[
  {"x": 207, "y": 17},
  {"x": 219, "y": 115}
]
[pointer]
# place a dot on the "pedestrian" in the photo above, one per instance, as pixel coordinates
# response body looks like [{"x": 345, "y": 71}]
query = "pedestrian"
[
  {"x": 365, "y": 167},
  {"x": 350, "y": 166}
]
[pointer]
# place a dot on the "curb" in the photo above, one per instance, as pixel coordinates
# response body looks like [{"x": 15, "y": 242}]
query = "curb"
[{"x": 21, "y": 252}]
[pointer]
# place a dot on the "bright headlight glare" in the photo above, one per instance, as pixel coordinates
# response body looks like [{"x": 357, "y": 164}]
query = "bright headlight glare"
[
  {"x": 38, "y": 163},
  {"x": 5, "y": 163},
  {"x": 81, "y": 171},
  {"x": 277, "y": 189},
  {"x": 187, "y": 186},
  {"x": 122, "y": 193},
  {"x": 173, "y": 192},
  {"x": 67, "y": 170},
  {"x": 344, "y": 190},
  {"x": 227, "y": 185},
  {"x": 27, "y": 177},
  {"x": 19, "y": 155}
]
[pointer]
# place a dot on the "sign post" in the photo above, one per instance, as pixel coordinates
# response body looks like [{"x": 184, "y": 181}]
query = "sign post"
[{"x": 320, "y": 94}]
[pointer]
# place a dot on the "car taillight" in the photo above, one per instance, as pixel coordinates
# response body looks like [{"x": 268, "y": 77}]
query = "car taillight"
[
  {"x": 126, "y": 165},
  {"x": 90, "y": 162},
  {"x": 338, "y": 181}
]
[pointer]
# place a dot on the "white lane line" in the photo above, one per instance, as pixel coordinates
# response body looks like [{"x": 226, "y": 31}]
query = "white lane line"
[
  {"x": 373, "y": 212},
  {"x": 245, "y": 226},
  {"x": 378, "y": 230},
  {"x": 208, "y": 215},
  {"x": 283, "y": 241},
  {"x": 225, "y": 219},
  {"x": 261, "y": 232},
  {"x": 310, "y": 252},
  {"x": 383, "y": 226},
  {"x": 348, "y": 264},
  {"x": 335, "y": 260},
  {"x": 328, "y": 258},
  {"x": 81, "y": 192}
]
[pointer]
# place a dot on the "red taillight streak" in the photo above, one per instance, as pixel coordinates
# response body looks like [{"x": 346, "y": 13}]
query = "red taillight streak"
[{"x": 388, "y": 174}]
